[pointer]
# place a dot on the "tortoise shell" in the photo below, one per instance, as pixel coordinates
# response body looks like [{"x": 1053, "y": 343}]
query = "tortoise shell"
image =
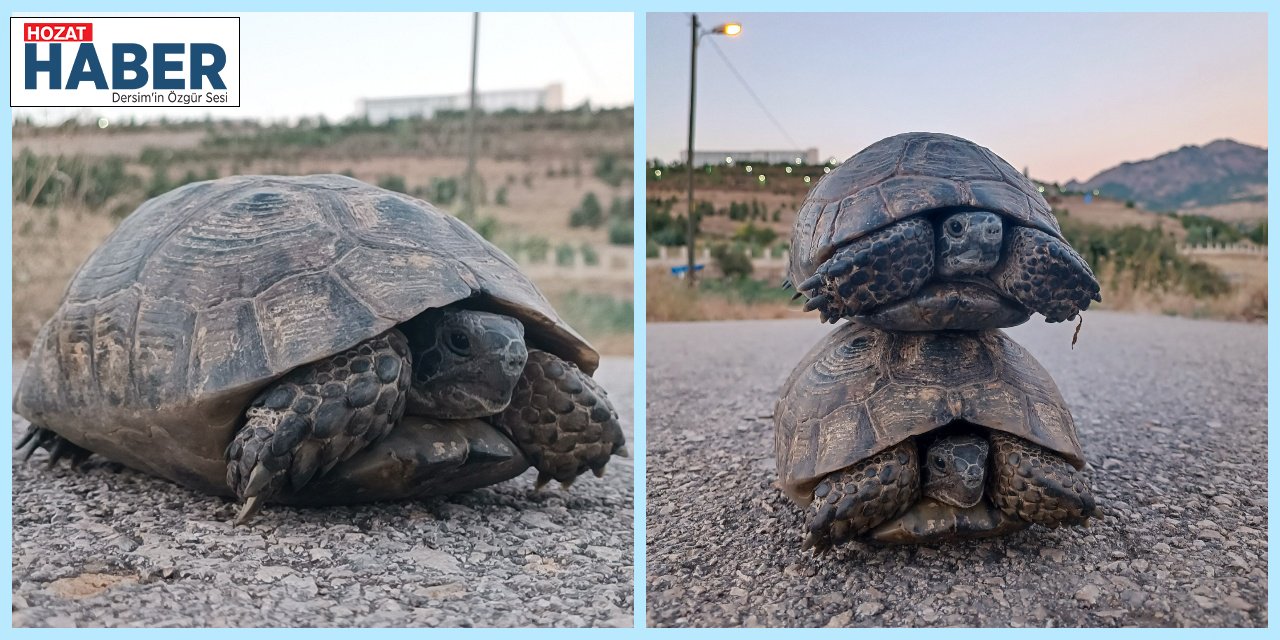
[
  {"x": 902, "y": 176},
  {"x": 862, "y": 390},
  {"x": 208, "y": 293}
]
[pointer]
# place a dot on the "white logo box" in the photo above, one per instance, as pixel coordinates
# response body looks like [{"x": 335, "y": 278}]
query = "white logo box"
[{"x": 122, "y": 37}]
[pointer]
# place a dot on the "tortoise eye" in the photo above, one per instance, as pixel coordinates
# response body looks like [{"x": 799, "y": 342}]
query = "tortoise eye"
[
  {"x": 459, "y": 343},
  {"x": 939, "y": 464},
  {"x": 955, "y": 227}
]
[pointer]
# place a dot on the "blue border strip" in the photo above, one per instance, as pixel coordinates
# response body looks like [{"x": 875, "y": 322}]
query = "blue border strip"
[
  {"x": 638, "y": 446},
  {"x": 639, "y": 304}
]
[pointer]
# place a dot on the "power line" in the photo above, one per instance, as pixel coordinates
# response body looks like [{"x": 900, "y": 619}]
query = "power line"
[{"x": 752, "y": 92}]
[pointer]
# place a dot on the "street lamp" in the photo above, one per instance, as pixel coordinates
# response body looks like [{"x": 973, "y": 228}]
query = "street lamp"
[{"x": 726, "y": 29}]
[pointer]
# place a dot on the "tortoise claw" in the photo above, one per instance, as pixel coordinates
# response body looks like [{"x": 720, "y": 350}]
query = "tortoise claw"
[
  {"x": 599, "y": 471},
  {"x": 565, "y": 484},
  {"x": 250, "y": 507},
  {"x": 543, "y": 479},
  {"x": 816, "y": 302},
  {"x": 811, "y": 284}
]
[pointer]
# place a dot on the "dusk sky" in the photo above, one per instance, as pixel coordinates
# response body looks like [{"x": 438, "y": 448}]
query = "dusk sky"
[{"x": 1066, "y": 95}]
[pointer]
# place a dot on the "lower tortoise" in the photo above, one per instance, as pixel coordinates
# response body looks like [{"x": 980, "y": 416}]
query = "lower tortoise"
[
  {"x": 312, "y": 340},
  {"x": 900, "y": 437}
]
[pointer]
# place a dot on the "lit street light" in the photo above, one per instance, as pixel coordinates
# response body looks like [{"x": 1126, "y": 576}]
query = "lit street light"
[{"x": 726, "y": 29}]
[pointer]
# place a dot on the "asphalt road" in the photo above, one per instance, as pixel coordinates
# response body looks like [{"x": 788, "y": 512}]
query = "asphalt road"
[
  {"x": 1172, "y": 416},
  {"x": 112, "y": 547}
]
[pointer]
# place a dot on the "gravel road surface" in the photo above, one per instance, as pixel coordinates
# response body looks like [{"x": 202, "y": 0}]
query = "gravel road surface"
[
  {"x": 1172, "y": 416},
  {"x": 111, "y": 547}
]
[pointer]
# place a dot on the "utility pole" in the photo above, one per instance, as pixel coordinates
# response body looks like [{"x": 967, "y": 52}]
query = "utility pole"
[
  {"x": 692, "y": 228},
  {"x": 471, "y": 119}
]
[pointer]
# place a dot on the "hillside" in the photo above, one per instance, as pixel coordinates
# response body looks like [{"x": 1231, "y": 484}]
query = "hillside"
[{"x": 1223, "y": 172}]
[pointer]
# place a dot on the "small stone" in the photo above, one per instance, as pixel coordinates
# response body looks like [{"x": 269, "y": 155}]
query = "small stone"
[
  {"x": 1056, "y": 555},
  {"x": 271, "y": 573},
  {"x": 1209, "y": 534},
  {"x": 840, "y": 620},
  {"x": 1238, "y": 603},
  {"x": 445, "y": 591},
  {"x": 868, "y": 609},
  {"x": 1089, "y": 594},
  {"x": 1160, "y": 547}
]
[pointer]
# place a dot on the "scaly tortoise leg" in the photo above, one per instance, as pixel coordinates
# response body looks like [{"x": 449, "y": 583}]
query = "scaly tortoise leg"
[
  {"x": 1045, "y": 274},
  {"x": 562, "y": 420},
  {"x": 317, "y": 416},
  {"x": 58, "y": 447},
  {"x": 850, "y": 502},
  {"x": 884, "y": 266},
  {"x": 1037, "y": 485}
]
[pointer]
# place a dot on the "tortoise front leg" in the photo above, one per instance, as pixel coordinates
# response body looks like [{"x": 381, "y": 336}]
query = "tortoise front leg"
[
  {"x": 562, "y": 420},
  {"x": 317, "y": 416},
  {"x": 1037, "y": 485},
  {"x": 1046, "y": 275},
  {"x": 884, "y": 266},
  {"x": 850, "y": 502}
]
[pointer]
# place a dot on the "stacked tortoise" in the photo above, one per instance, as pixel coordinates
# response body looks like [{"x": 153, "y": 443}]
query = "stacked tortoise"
[
  {"x": 312, "y": 340},
  {"x": 920, "y": 420}
]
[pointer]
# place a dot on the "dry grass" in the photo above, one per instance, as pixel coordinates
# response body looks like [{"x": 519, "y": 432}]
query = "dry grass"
[
  {"x": 1247, "y": 301},
  {"x": 670, "y": 300},
  {"x": 48, "y": 246}
]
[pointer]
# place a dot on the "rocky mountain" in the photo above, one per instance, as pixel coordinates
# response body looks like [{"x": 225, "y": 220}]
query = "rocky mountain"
[{"x": 1221, "y": 172}]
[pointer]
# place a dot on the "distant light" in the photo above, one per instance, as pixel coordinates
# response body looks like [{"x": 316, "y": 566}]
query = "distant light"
[
  {"x": 799, "y": 161},
  {"x": 833, "y": 161},
  {"x": 728, "y": 160},
  {"x": 1095, "y": 192},
  {"x": 826, "y": 169},
  {"x": 748, "y": 168},
  {"x": 788, "y": 169},
  {"x": 657, "y": 173},
  {"x": 731, "y": 29},
  {"x": 806, "y": 179},
  {"x": 102, "y": 123},
  {"x": 761, "y": 178},
  {"x": 1040, "y": 189}
]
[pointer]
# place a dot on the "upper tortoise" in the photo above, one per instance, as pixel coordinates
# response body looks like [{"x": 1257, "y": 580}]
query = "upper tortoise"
[
  {"x": 927, "y": 231},
  {"x": 312, "y": 340}
]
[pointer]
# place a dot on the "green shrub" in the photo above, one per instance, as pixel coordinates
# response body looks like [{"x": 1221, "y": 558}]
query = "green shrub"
[
  {"x": 536, "y": 247},
  {"x": 732, "y": 260},
  {"x": 564, "y": 255},
  {"x": 621, "y": 232},
  {"x": 393, "y": 182},
  {"x": 589, "y": 255},
  {"x": 500, "y": 196},
  {"x": 588, "y": 214}
]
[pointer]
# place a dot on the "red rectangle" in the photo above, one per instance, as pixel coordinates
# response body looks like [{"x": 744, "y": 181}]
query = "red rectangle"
[{"x": 57, "y": 31}]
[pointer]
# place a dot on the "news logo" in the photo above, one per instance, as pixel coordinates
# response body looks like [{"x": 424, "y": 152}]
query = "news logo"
[{"x": 136, "y": 61}]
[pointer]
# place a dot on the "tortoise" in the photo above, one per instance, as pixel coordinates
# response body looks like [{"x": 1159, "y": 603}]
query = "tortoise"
[
  {"x": 928, "y": 231},
  {"x": 914, "y": 437},
  {"x": 312, "y": 340}
]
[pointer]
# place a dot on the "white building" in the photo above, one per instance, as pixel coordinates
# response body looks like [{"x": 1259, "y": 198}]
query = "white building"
[
  {"x": 703, "y": 158},
  {"x": 379, "y": 110}
]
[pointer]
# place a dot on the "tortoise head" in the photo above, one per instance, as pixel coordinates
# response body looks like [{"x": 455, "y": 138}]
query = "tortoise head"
[
  {"x": 969, "y": 243},
  {"x": 955, "y": 468},
  {"x": 465, "y": 363}
]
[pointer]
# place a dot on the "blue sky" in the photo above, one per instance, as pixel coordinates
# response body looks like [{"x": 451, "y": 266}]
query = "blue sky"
[{"x": 1066, "y": 95}]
